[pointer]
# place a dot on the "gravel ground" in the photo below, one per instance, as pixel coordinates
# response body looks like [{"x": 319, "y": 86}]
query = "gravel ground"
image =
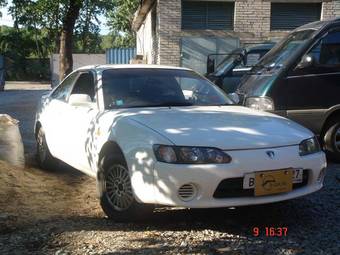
[{"x": 75, "y": 225}]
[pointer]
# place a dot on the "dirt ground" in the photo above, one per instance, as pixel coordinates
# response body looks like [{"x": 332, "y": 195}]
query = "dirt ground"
[
  {"x": 30, "y": 195},
  {"x": 57, "y": 212}
]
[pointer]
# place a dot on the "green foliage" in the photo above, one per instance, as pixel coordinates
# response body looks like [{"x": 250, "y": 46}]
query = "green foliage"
[
  {"x": 49, "y": 16},
  {"x": 87, "y": 38},
  {"x": 16, "y": 42},
  {"x": 120, "y": 22},
  {"x": 19, "y": 47}
]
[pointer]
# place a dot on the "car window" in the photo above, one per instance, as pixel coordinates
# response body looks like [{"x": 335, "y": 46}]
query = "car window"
[
  {"x": 125, "y": 88},
  {"x": 327, "y": 51},
  {"x": 229, "y": 60},
  {"x": 64, "y": 89},
  {"x": 252, "y": 59},
  {"x": 85, "y": 85}
]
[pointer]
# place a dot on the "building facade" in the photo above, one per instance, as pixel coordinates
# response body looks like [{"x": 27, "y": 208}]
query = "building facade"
[{"x": 184, "y": 32}]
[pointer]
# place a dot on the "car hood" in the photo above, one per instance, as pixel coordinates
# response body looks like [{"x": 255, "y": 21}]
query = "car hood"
[{"x": 224, "y": 127}]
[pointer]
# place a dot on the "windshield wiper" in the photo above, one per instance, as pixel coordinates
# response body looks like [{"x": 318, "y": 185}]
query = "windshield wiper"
[
  {"x": 226, "y": 104},
  {"x": 165, "y": 104},
  {"x": 169, "y": 104}
]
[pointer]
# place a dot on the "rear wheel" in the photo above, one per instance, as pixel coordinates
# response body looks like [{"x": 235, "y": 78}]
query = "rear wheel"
[
  {"x": 332, "y": 140},
  {"x": 44, "y": 157},
  {"x": 117, "y": 199}
]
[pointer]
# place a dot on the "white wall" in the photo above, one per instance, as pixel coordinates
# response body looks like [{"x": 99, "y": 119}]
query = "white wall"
[
  {"x": 144, "y": 39},
  {"x": 79, "y": 60}
]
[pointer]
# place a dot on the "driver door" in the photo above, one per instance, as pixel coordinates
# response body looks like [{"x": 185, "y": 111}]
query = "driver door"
[
  {"x": 53, "y": 115},
  {"x": 80, "y": 119}
]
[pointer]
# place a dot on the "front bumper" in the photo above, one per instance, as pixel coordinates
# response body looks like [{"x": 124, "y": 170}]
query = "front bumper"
[{"x": 168, "y": 178}]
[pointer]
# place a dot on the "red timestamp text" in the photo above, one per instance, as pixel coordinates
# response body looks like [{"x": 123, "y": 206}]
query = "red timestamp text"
[{"x": 270, "y": 231}]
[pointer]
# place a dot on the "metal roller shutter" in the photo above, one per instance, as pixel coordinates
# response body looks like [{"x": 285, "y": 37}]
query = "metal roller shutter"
[
  {"x": 207, "y": 15},
  {"x": 287, "y": 16}
]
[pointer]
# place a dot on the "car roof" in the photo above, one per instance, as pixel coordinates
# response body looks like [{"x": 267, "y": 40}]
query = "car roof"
[
  {"x": 318, "y": 24},
  {"x": 262, "y": 46},
  {"x": 129, "y": 66}
]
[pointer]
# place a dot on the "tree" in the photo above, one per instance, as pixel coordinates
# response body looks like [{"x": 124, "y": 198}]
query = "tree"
[
  {"x": 66, "y": 40},
  {"x": 87, "y": 31},
  {"x": 120, "y": 22},
  {"x": 2, "y": 4},
  {"x": 61, "y": 18}
]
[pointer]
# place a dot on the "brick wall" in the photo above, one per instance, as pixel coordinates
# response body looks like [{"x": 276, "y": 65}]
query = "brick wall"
[
  {"x": 169, "y": 28},
  {"x": 252, "y": 20},
  {"x": 328, "y": 10},
  {"x": 337, "y": 8}
]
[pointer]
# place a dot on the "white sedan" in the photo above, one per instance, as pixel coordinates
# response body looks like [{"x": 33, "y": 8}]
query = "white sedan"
[{"x": 167, "y": 136}]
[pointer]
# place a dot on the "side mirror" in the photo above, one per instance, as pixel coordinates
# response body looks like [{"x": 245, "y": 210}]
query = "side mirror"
[
  {"x": 234, "y": 97},
  {"x": 80, "y": 100},
  {"x": 210, "y": 65},
  {"x": 306, "y": 61}
]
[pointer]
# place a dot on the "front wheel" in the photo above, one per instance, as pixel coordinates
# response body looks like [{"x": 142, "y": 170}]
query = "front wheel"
[
  {"x": 44, "y": 156},
  {"x": 332, "y": 141},
  {"x": 117, "y": 199}
]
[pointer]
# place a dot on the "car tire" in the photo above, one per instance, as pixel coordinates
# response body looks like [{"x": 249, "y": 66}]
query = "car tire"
[
  {"x": 332, "y": 141},
  {"x": 44, "y": 157},
  {"x": 116, "y": 196}
]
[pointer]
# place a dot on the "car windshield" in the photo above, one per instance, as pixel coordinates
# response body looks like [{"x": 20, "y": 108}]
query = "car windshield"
[
  {"x": 280, "y": 54},
  {"x": 226, "y": 63},
  {"x": 147, "y": 87}
]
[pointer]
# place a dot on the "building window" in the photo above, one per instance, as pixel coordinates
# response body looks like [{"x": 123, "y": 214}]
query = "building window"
[
  {"x": 287, "y": 16},
  {"x": 207, "y": 15}
]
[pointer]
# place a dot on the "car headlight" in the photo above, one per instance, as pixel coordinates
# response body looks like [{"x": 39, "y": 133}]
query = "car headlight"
[
  {"x": 309, "y": 146},
  {"x": 260, "y": 103},
  {"x": 190, "y": 155}
]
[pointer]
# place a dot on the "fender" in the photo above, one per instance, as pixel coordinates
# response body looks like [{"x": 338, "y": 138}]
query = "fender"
[{"x": 333, "y": 109}]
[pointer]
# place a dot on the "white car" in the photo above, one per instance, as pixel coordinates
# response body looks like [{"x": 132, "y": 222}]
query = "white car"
[{"x": 167, "y": 136}]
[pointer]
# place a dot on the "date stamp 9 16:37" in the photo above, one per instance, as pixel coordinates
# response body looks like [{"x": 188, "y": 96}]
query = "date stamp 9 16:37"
[{"x": 270, "y": 231}]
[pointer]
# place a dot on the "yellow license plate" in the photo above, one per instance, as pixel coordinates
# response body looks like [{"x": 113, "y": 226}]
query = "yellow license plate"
[{"x": 273, "y": 182}]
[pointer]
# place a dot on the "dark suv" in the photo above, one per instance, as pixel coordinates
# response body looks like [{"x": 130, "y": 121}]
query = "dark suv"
[{"x": 300, "y": 79}]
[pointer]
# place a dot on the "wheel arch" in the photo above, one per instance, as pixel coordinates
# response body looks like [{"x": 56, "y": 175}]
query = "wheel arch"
[
  {"x": 333, "y": 115},
  {"x": 109, "y": 148}
]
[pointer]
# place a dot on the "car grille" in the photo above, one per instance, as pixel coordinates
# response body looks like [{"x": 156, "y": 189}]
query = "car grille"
[{"x": 233, "y": 187}]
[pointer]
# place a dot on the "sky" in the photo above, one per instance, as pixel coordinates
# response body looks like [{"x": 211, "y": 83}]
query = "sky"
[{"x": 7, "y": 20}]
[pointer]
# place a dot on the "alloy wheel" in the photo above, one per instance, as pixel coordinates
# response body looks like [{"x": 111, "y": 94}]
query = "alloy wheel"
[{"x": 118, "y": 187}]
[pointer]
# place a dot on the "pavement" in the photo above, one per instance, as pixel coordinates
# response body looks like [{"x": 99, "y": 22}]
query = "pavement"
[{"x": 20, "y": 100}]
